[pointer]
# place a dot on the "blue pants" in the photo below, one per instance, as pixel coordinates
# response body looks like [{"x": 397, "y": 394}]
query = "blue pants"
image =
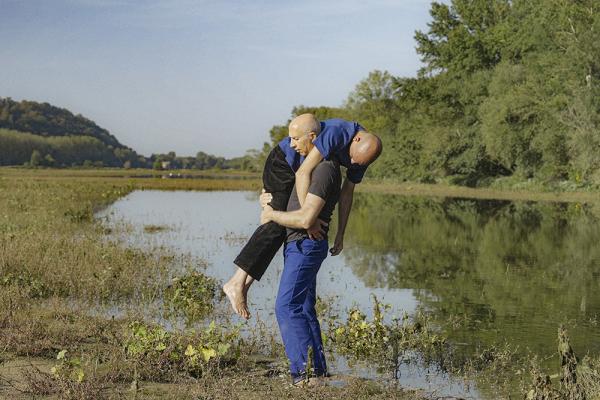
[{"x": 295, "y": 305}]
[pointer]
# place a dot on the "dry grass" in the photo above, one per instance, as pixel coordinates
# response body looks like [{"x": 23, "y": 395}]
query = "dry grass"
[
  {"x": 442, "y": 190},
  {"x": 35, "y": 382},
  {"x": 60, "y": 277},
  {"x": 56, "y": 267},
  {"x": 138, "y": 179},
  {"x": 236, "y": 180}
]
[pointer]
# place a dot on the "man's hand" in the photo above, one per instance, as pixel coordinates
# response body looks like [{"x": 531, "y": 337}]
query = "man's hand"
[
  {"x": 338, "y": 246},
  {"x": 265, "y": 215},
  {"x": 265, "y": 198},
  {"x": 317, "y": 231}
]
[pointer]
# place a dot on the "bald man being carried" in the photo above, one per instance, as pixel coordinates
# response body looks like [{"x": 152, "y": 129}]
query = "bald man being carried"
[{"x": 291, "y": 162}]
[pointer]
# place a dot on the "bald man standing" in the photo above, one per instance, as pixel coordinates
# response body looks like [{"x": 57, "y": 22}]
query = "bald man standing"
[{"x": 293, "y": 161}]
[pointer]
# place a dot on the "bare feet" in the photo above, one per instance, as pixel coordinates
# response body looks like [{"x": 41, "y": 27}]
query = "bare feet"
[
  {"x": 237, "y": 297},
  {"x": 236, "y": 290}
]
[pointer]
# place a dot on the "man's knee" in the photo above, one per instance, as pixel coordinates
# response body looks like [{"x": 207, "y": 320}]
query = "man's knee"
[
  {"x": 309, "y": 310},
  {"x": 281, "y": 308},
  {"x": 284, "y": 308}
]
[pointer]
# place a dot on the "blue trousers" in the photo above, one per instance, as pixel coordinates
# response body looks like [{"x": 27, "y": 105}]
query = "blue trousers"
[{"x": 295, "y": 305}]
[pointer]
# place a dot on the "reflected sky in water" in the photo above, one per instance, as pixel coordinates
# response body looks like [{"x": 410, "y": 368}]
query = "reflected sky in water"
[
  {"x": 214, "y": 226},
  {"x": 488, "y": 272}
]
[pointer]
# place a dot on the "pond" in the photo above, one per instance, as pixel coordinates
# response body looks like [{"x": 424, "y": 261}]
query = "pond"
[{"x": 489, "y": 273}]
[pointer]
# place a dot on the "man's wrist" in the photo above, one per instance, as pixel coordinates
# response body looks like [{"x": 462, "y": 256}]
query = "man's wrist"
[{"x": 269, "y": 214}]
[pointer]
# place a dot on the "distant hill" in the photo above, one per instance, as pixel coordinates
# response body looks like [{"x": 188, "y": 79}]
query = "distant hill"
[
  {"x": 47, "y": 120},
  {"x": 35, "y": 134},
  {"x": 40, "y": 134}
]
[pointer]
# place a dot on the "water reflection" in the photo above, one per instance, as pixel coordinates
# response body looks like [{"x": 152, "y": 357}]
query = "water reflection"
[
  {"x": 214, "y": 226},
  {"x": 509, "y": 271},
  {"x": 514, "y": 271}
]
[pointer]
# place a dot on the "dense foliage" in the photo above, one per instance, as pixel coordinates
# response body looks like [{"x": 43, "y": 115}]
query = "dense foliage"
[
  {"x": 47, "y": 120},
  {"x": 18, "y": 148},
  {"x": 41, "y": 134},
  {"x": 508, "y": 88},
  {"x": 202, "y": 160}
]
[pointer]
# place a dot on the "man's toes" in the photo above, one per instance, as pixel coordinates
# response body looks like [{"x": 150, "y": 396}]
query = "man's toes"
[{"x": 245, "y": 313}]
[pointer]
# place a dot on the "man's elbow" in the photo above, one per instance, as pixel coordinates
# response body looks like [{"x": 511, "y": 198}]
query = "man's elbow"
[
  {"x": 302, "y": 173},
  {"x": 307, "y": 222}
]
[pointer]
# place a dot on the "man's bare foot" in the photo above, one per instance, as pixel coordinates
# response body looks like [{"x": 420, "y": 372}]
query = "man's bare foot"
[{"x": 237, "y": 297}]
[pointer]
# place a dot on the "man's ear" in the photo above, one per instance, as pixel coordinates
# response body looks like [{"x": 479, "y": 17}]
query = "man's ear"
[{"x": 313, "y": 136}]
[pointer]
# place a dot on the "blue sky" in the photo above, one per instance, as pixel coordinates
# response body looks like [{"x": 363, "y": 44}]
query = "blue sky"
[{"x": 185, "y": 76}]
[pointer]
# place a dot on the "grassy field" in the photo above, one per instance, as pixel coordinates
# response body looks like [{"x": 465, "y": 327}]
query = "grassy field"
[
  {"x": 236, "y": 180},
  {"x": 61, "y": 282},
  {"x": 76, "y": 309}
]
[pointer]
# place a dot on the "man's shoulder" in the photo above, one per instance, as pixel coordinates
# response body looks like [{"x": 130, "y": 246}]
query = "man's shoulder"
[
  {"x": 325, "y": 176},
  {"x": 338, "y": 132},
  {"x": 334, "y": 121},
  {"x": 329, "y": 164},
  {"x": 337, "y": 123},
  {"x": 285, "y": 142},
  {"x": 335, "y": 135},
  {"x": 327, "y": 168}
]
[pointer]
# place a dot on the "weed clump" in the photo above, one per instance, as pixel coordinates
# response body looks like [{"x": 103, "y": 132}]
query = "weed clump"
[
  {"x": 578, "y": 380},
  {"x": 66, "y": 379},
  {"x": 29, "y": 286},
  {"x": 161, "y": 355},
  {"x": 588, "y": 373},
  {"x": 68, "y": 368},
  {"x": 78, "y": 215},
  {"x": 192, "y": 296},
  {"x": 387, "y": 345}
]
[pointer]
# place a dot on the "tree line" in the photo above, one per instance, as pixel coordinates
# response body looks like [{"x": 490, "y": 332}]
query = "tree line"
[
  {"x": 47, "y": 120},
  {"x": 40, "y": 134},
  {"x": 509, "y": 88},
  {"x": 22, "y": 148}
]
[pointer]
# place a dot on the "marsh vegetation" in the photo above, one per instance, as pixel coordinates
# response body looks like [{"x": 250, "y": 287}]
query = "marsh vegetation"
[{"x": 86, "y": 316}]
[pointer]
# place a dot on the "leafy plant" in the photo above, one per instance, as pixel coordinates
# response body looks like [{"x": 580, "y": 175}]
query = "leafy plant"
[
  {"x": 192, "y": 296},
  {"x": 33, "y": 287},
  {"x": 158, "y": 352},
  {"x": 385, "y": 344},
  {"x": 68, "y": 368},
  {"x": 214, "y": 344}
]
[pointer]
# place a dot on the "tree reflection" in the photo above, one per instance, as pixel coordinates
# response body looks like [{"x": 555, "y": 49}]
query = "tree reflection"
[{"x": 512, "y": 271}]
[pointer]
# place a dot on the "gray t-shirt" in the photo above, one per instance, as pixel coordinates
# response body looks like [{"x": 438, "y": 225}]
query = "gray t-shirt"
[{"x": 325, "y": 182}]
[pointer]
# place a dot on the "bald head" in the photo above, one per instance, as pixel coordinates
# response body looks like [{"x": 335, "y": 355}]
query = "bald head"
[
  {"x": 304, "y": 124},
  {"x": 303, "y": 130},
  {"x": 365, "y": 148}
]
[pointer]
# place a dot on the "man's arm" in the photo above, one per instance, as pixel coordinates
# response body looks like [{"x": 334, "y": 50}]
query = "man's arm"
[
  {"x": 344, "y": 207},
  {"x": 303, "y": 218},
  {"x": 304, "y": 172},
  {"x": 315, "y": 232}
]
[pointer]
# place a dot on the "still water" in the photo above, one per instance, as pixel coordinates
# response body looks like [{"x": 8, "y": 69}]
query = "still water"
[{"x": 488, "y": 272}]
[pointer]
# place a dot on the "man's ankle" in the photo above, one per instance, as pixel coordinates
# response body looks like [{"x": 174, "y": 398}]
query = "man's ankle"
[{"x": 302, "y": 377}]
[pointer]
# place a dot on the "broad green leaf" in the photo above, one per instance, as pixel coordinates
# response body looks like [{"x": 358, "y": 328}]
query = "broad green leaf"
[{"x": 207, "y": 354}]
